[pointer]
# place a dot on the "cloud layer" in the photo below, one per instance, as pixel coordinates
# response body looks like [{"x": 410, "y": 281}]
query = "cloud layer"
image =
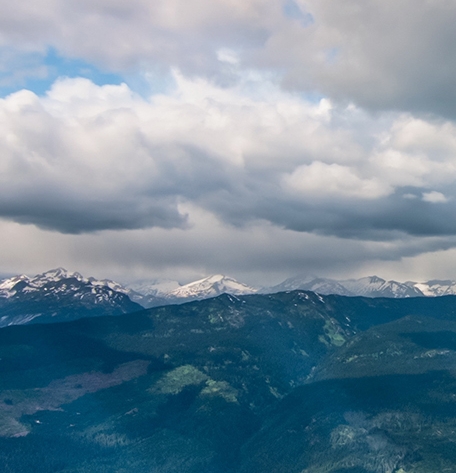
[
  {"x": 86, "y": 158},
  {"x": 312, "y": 122},
  {"x": 381, "y": 54}
]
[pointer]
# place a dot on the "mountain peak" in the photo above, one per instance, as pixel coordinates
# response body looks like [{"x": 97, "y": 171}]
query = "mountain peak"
[
  {"x": 55, "y": 275},
  {"x": 375, "y": 279},
  {"x": 369, "y": 286},
  {"x": 55, "y": 272},
  {"x": 217, "y": 277},
  {"x": 7, "y": 284},
  {"x": 60, "y": 295},
  {"x": 211, "y": 286}
]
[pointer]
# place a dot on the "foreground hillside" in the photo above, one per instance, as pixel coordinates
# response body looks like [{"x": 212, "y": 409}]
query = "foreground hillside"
[{"x": 290, "y": 382}]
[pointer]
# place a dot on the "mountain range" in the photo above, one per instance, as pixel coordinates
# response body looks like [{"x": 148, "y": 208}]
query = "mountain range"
[
  {"x": 59, "y": 295},
  {"x": 291, "y": 382},
  {"x": 371, "y": 286}
]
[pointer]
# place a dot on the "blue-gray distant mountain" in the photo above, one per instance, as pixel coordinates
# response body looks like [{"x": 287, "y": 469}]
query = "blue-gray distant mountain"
[
  {"x": 59, "y": 295},
  {"x": 163, "y": 292},
  {"x": 371, "y": 286},
  {"x": 166, "y": 292},
  {"x": 311, "y": 283}
]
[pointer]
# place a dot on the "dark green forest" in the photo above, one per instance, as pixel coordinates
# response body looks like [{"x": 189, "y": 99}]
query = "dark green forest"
[{"x": 284, "y": 383}]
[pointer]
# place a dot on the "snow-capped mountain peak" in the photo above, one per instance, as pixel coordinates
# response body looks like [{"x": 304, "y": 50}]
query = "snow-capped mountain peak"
[
  {"x": 210, "y": 287},
  {"x": 7, "y": 285},
  {"x": 54, "y": 275},
  {"x": 59, "y": 295},
  {"x": 374, "y": 286},
  {"x": 311, "y": 283},
  {"x": 370, "y": 286}
]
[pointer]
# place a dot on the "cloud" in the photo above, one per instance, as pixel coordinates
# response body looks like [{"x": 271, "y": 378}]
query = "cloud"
[
  {"x": 434, "y": 197},
  {"x": 87, "y": 158},
  {"x": 380, "y": 55},
  {"x": 320, "y": 180},
  {"x": 66, "y": 169},
  {"x": 287, "y": 127},
  {"x": 259, "y": 254},
  {"x": 122, "y": 35}
]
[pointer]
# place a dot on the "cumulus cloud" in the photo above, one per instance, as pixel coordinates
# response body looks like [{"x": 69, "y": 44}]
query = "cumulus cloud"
[
  {"x": 87, "y": 158},
  {"x": 68, "y": 169}
]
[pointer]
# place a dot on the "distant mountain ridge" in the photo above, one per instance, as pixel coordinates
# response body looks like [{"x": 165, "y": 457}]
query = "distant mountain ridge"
[
  {"x": 212, "y": 286},
  {"x": 372, "y": 286},
  {"x": 58, "y": 295}
]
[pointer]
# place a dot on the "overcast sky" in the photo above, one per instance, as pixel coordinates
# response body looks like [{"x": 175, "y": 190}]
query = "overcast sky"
[{"x": 255, "y": 138}]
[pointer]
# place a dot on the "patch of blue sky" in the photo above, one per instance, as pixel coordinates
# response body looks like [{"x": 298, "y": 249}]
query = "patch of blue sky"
[
  {"x": 311, "y": 96},
  {"x": 60, "y": 66},
  {"x": 37, "y": 72},
  {"x": 292, "y": 10}
]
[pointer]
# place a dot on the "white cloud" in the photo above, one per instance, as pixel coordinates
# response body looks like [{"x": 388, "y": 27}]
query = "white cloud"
[
  {"x": 319, "y": 181},
  {"x": 228, "y": 55},
  {"x": 434, "y": 197}
]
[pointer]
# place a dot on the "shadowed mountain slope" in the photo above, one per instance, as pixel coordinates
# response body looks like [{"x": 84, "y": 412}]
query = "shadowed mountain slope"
[{"x": 288, "y": 382}]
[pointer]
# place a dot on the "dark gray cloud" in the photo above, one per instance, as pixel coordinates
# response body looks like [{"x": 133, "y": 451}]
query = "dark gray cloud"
[
  {"x": 376, "y": 220},
  {"x": 383, "y": 55},
  {"x": 259, "y": 253},
  {"x": 80, "y": 214}
]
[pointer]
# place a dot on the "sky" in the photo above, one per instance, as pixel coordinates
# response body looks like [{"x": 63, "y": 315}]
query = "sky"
[{"x": 255, "y": 138}]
